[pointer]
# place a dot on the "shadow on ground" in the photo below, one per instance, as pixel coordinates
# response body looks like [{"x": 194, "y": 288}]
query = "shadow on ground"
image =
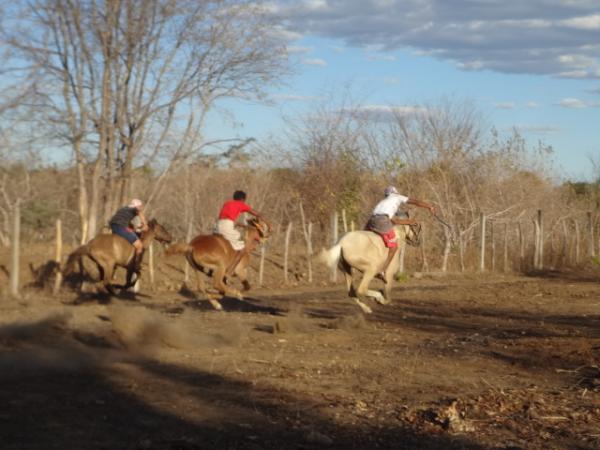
[{"x": 65, "y": 393}]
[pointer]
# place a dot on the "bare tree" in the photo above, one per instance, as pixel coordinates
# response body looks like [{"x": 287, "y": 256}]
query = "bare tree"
[{"x": 119, "y": 78}]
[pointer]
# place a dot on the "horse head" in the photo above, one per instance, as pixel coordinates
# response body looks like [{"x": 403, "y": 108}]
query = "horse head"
[
  {"x": 159, "y": 232},
  {"x": 413, "y": 235},
  {"x": 262, "y": 229}
]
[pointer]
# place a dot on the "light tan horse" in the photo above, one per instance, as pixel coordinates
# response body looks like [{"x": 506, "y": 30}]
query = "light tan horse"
[
  {"x": 212, "y": 254},
  {"x": 366, "y": 252},
  {"x": 109, "y": 251}
]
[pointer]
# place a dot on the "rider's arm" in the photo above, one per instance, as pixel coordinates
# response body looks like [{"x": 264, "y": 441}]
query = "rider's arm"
[
  {"x": 144, "y": 221},
  {"x": 421, "y": 204},
  {"x": 398, "y": 221},
  {"x": 260, "y": 217}
]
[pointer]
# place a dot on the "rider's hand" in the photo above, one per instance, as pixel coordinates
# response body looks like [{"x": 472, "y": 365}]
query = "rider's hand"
[{"x": 432, "y": 209}]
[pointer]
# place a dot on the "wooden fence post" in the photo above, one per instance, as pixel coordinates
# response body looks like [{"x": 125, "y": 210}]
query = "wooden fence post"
[
  {"x": 288, "y": 233},
  {"x": 536, "y": 244},
  {"x": 307, "y": 231},
  {"x": 591, "y": 246},
  {"x": 424, "y": 264},
  {"x": 481, "y": 242},
  {"x": 505, "y": 264},
  {"x": 564, "y": 254},
  {"x": 186, "y": 269},
  {"x": 309, "y": 250},
  {"x": 334, "y": 238},
  {"x": 521, "y": 246},
  {"x": 493, "y": 239},
  {"x": 541, "y": 240},
  {"x": 58, "y": 257},
  {"x": 151, "y": 264},
  {"x": 261, "y": 266},
  {"x": 577, "y": 254},
  {"x": 14, "y": 258},
  {"x": 344, "y": 222}
]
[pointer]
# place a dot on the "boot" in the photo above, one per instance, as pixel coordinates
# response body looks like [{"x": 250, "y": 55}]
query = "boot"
[{"x": 137, "y": 263}]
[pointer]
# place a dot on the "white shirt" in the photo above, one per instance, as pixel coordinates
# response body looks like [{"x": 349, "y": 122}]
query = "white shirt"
[{"x": 389, "y": 205}]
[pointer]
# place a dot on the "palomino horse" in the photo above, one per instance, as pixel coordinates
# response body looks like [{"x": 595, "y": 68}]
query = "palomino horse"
[
  {"x": 212, "y": 254},
  {"x": 109, "y": 251},
  {"x": 366, "y": 252}
]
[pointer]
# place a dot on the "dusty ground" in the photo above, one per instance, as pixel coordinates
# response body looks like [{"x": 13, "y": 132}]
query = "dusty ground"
[{"x": 456, "y": 362}]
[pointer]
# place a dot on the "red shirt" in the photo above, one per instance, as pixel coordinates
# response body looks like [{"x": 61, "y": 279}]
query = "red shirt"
[{"x": 232, "y": 209}]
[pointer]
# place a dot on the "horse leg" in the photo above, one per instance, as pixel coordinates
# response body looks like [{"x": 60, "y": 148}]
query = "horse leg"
[
  {"x": 202, "y": 289},
  {"x": 387, "y": 299},
  {"x": 242, "y": 273},
  {"x": 364, "y": 291},
  {"x": 108, "y": 274},
  {"x": 220, "y": 286},
  {"x": 347, "y": 271}
]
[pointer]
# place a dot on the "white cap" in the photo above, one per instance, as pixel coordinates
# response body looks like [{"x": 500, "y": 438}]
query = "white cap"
[
  {"x": 390, "y": 190},
  {"x": 136, "y": 203}
]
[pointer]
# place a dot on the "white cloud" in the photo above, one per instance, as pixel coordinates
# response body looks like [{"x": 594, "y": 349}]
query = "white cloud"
[
  {"x": 574, "y": 103},
  {"x": 582, "y": 61},
  {"x": 379, "y": 57},
  {"x": 391, "y": 80},
  {"x": 315, "y": 5},
  {"x": 538, "y": 129},
  {"x": 532, "y": 105},
  {"x": 295, "y": 98},
  {"x": 297, "y": 49},
  {"x": 314, "y": 62},
  {"x": 543, "y": 37},
  {"x": 505, "y": 105},
  {"x": 591, "y": 22},
  {"x": 385, "y": 113}
]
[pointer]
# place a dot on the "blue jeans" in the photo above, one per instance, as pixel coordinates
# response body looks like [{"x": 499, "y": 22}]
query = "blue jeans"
[{"x": 120, "y": 230}]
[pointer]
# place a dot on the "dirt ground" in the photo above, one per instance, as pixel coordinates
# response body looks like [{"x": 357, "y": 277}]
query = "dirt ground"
[{"x": 456, "y": 362}]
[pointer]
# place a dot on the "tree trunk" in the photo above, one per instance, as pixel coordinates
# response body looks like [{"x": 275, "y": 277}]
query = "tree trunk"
[{"x": 82, "y": 201}]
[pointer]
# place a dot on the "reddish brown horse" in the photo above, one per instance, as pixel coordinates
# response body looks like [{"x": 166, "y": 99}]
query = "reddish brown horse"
[
  {"x": 109, "y": 251},
  {"x": 212, "y": 254}
]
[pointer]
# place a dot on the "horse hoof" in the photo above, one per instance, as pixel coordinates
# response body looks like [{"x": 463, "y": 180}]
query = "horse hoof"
[
  {"x": 365, "y": 308},
  {"x": 216, "y": 305}
]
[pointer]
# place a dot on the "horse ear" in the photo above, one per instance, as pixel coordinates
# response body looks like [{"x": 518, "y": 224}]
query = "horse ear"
[{"x": 152, "y": 223}]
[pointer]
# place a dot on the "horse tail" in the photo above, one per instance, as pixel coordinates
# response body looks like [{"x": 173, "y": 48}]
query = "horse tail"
[
  {"x": 178, "y": 249},
  {"x": 75, "y": 256},
  {"x": 330, "y": 257}
]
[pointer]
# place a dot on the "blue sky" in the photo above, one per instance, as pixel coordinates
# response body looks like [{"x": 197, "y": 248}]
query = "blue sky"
[{"x": 532, "y": 65}]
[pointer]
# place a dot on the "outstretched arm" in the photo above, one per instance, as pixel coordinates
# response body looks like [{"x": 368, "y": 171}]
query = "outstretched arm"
[
  {"x": 397, "y": 221},
  {"x": 260, "y": 217},
  {"x": 421, "y": 204}
]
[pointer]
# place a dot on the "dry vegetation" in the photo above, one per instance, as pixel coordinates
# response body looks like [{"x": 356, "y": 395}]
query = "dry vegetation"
[{"x": 505, "y": 359}]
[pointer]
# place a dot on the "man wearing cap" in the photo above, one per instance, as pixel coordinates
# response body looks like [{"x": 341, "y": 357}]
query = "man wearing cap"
[
  {"x": 382, "y": 221},
  {"x": 121, "y": 225}
]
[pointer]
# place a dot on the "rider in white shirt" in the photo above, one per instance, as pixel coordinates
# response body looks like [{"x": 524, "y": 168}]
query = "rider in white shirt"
[{"x": 382, "y": 221}]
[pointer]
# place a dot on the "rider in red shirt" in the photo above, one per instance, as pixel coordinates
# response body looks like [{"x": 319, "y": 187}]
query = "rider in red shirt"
[{"x": 230, "y": 211}]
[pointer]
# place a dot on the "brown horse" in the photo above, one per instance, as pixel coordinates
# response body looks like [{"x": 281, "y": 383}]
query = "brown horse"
[
  {"x": 212, "y": 254},
  {"x": 109, "y": 251}
]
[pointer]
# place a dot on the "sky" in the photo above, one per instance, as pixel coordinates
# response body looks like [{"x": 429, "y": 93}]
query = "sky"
[{"x": 533, "y": 65}]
